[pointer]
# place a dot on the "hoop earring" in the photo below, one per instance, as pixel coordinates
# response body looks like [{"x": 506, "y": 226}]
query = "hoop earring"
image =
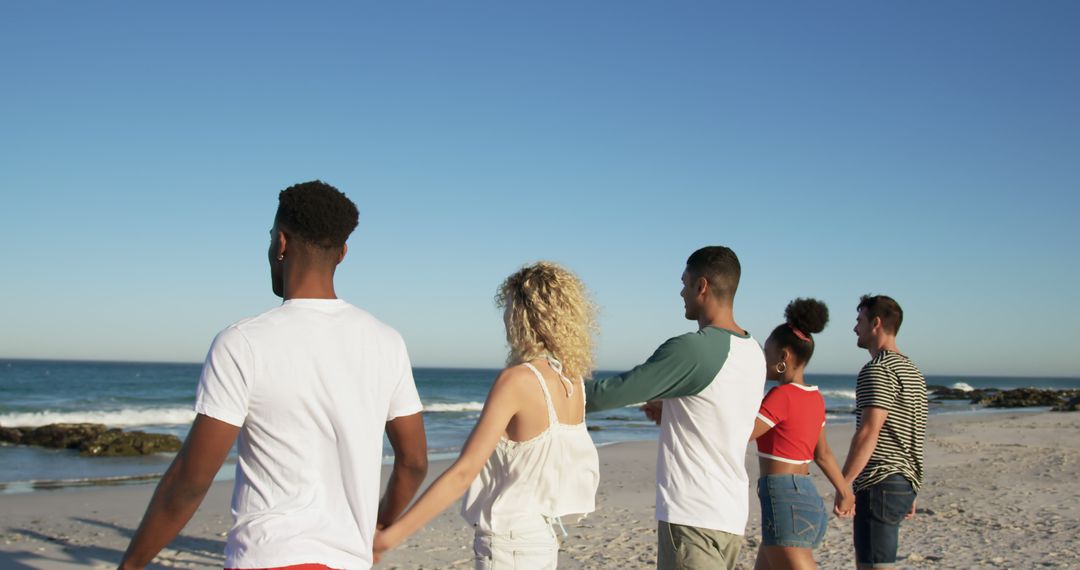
[{"x": 781, "y": 367}]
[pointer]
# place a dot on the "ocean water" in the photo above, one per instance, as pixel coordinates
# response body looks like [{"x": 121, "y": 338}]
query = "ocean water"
[{"x": 157, "y": 397}]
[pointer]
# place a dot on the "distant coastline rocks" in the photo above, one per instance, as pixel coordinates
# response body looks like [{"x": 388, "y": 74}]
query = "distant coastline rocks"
[
  {"x": 1071, "y": 405},
  {"x": 91, "y": 440},
  {"x": 973, "y": 395},
  {"x": 1056, "y": 400}
]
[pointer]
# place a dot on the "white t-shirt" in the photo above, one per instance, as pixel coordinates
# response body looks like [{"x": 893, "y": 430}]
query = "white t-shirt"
[{"x": 312, "y": 384}]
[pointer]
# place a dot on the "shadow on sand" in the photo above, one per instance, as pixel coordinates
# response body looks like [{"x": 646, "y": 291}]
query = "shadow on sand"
[{"x": 183, "y": 550}]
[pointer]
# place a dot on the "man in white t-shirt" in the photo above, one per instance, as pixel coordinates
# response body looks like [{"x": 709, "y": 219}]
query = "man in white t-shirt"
[{"x": 305, "y": 390}]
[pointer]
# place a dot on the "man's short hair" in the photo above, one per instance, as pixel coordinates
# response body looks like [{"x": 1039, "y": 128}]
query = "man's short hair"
[
  {"x": 316, "y": 213},
  {"x": 884, "y": 308},
  {"x": 719, "y": 266}
]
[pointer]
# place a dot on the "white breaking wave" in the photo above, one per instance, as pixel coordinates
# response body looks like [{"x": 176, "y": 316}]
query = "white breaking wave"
[
  {"x": 112, "y": 418},
  {"x": 839, "y": 394},
  {"x": 963, "y": 386},
  {"x": 454, "y": 407}
]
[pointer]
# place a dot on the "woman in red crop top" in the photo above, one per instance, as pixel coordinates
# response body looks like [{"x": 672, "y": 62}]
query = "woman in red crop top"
[{"x": 790, "y": 433}]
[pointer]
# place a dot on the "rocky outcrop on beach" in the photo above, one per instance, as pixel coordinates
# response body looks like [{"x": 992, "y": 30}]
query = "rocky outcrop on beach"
[
  {"x": 13, "y": 435},
  {"x": 1031, "y": 397},
  {"x": 114, "y": 442},
  {"x": 1070, "y": 405},
  {"x": 946, "y": 393},
  {"x": 91, "y": 439},
  {"x": 62, "y": 436}
]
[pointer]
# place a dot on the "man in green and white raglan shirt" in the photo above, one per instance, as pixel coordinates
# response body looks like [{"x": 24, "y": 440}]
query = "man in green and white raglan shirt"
[
  {"x": 885, "y": 461},
  {"x": 704, "y": 388}
]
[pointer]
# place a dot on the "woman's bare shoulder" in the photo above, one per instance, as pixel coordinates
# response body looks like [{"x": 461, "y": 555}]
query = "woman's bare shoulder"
[{"x": 518, "y": 379}]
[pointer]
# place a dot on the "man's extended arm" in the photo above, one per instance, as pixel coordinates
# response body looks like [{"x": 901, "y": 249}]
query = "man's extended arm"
[
  {"x": 864, "y": 441},
  {"x": 181, "y": 489},
  {"x": 682, "y": 366},
  {"x": 407, "y": 437}
]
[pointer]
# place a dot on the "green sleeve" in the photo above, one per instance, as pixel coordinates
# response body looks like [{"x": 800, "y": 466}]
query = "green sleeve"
[{"x": 682, "y": 366}]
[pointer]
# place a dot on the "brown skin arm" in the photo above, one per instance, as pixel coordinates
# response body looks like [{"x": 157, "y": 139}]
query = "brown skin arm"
[
  {"x": 503, "y": 403},
  {"x": 760, "y": 428},
  {"x": 844, "y": 502},
  {"x": 181, "y": 489},
  {"x": 407, "y": 437},
  {"x": 654, "y": 410},
  {"x": 864, "y": 441}
]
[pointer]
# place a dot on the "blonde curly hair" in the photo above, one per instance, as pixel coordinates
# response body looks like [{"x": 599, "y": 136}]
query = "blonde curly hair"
[{"x": 548, "y": 311}]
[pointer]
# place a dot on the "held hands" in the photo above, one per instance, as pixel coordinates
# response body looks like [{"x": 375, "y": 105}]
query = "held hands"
[
  {"x": 844, "y": 504},
  {"x": 653, "y": 410},
  {"x": 383, "y": 541}
]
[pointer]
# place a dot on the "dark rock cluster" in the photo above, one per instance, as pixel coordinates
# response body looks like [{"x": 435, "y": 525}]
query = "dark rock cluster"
[
  {"x": 1057, "y": 400},
  {"x": 91, "y": 439},
  {"x": 1071, "y": 404},
  {"x": 946, "y": 393},
  {"x": 1027, "y": 397}
]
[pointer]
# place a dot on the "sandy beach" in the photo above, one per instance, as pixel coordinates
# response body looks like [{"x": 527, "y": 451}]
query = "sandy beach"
[{"x": 1001, "y": 492}]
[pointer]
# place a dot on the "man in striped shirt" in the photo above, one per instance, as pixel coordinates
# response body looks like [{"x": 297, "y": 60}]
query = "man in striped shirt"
[{"x": 885, "y": 462}]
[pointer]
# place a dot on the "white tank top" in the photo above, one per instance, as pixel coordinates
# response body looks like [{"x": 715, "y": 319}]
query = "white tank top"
[{"x": 553, "y": 474}]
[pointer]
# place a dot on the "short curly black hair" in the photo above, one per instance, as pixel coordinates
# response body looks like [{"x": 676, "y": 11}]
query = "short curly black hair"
[
  {"x": 805, "y": 317},
  {"x": 317, "y": 213}
]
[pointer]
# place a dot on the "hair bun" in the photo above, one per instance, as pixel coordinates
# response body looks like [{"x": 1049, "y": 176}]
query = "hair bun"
[{"x": 808, "y": 315}]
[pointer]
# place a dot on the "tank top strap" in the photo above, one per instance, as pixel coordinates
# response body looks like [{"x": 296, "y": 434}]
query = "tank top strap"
[
  {"x": 558, "y": 368},
  {"x": 553, "y": 418},
  {"x": 584, "y": 404}
]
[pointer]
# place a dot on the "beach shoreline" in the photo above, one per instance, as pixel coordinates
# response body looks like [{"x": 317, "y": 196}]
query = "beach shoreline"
[{"x": 1000, "y": 493}]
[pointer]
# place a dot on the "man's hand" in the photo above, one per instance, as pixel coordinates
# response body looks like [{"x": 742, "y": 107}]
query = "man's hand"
[
  {"x": 653, "y": 409},
  {"x": 911, "y": 513},
  {"x": 844, "y": 505},
  {"x": 379, "y": 545}
]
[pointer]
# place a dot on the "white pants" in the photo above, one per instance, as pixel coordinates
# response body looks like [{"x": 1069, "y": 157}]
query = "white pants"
[{"x": 528, "y": 544}]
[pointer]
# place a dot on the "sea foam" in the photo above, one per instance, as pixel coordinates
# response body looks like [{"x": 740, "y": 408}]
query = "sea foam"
[
  {"x": 839, "y": 394},
  {"x": 112, "y": 418},
  {"x": 454, "y": 407}
]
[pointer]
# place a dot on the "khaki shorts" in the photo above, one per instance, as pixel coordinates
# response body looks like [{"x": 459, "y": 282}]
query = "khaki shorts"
[{"x": 681, "y": 547}]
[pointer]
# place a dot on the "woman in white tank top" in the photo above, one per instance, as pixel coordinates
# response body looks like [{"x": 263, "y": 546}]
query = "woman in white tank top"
[{"x": 529, "y": 460}]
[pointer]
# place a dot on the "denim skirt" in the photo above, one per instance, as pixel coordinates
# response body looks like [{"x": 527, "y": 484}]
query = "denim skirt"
[{"x": 792, "y": 512}]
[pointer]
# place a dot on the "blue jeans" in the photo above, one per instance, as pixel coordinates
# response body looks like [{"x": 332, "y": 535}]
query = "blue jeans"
[
  {"x": 879, "y": 509},
  {"x": 792, "y": 512}
]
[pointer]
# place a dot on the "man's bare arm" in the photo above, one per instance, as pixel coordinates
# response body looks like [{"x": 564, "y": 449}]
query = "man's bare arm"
[
  {"x": 407, "y": 438},
  {"x": 864, "y": 441},
  {"x": 181, "y": 489}
]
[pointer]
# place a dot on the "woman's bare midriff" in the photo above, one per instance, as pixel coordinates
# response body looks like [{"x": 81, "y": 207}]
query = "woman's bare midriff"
[{"x": 773, "y": 467}]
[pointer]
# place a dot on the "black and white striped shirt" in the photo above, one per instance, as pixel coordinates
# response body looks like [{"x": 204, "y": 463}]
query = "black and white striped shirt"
[{"x": 891, "y": 381}]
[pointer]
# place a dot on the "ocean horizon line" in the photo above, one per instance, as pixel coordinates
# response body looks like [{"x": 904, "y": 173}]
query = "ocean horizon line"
[{"x": 852, "y": 373}]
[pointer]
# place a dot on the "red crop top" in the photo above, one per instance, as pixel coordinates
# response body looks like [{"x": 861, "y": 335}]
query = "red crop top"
[{"x": 796, "y": 414}]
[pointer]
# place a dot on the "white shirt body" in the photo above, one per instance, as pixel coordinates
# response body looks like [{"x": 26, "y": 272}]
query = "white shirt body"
[
  {"x": 701, "y": 478},
  {"x": 312, "y": 384}
]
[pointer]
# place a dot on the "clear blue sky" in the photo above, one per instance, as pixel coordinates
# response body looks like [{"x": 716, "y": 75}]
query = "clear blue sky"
[{"x": 926, "y": 150}]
